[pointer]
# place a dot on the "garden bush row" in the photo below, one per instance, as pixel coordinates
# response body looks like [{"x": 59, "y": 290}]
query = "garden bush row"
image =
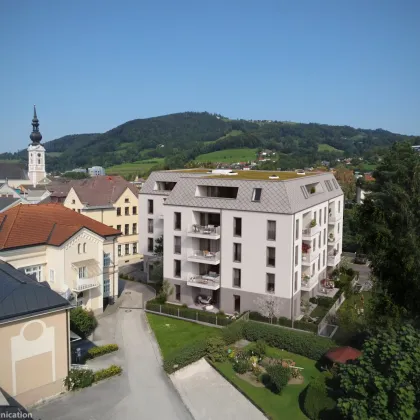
[
  {"x": 284, "y": 322},
  {"x": 101, "y": 350},
  {"x": 82, "y": 378},
  {"x": 185, "y": 356}
]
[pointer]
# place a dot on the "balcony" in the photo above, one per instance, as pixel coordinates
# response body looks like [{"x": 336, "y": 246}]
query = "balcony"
[
  {"x": 209, "y": 281},
  {"x": 333, "y": 219},
  {"x": 80, "y": 285},
  {"x": 333, "y": 240},
  {"x": 207, "y": 232},
  {"x": 309, "y": 257},
  {"x": 308, "y": 283},
  {"x": 310, "y": 231},
  {"x": 206, "y": 257},
  {"x": 333, "y": 260}
]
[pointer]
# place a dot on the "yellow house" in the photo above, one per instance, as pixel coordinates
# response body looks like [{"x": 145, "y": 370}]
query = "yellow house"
[
  {"x": 34, "y": 337},
  {"x": 112, "y": 201}
]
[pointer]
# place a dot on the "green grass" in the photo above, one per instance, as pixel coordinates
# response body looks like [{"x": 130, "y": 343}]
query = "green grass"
[
  {"x": 228, "y": 156},
  {"x": 231, "y": 133},
  {"x": 139, "y": 166},
  {"x": 323, "y": 147},
  {"x": 367, "y": 167},
  {"x": 355, "y": 299},
  {"x": 173, "y": 334},
  {"x": 277, "y": 407}
]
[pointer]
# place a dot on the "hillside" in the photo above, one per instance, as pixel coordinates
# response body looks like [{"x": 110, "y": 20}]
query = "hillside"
[{"x": 172, "y": 140}]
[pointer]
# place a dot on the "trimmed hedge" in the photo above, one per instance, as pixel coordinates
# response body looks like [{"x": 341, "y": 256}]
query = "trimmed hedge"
[
  {"x": 78, "y": 378},
  {"x": 279, "y": 377},
  {"x": 101, "y": 350},
  {"x": 82, "y": 322},
  {"x": 185, "y": 356},
  {"x": 307, "y": 345},
  {"x": 284, "y": 322},
  {"x": 113, "y": 370},
  {"x": 233, "y": 332}
]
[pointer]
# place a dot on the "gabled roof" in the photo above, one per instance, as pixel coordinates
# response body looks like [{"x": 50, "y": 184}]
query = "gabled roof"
[
  {"x": 102, "y": 190},
  {"x": 13, "y": 170},
  {"x": 45, "y": 224},
  {"x": 22, "y": 295}
]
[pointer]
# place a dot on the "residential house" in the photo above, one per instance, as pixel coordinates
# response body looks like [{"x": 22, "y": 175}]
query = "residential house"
[
  {"x": 9, "y": 202},
  {"x": 76, "y": 255},
  {"x": 243, "y": 236},
  {"x": 96, "y": 171},
  {"x": 34, "y": 338},
  {"x": 113, "y": 201}
]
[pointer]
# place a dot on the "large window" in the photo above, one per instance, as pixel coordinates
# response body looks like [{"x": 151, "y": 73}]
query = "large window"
[
  {"x": 119, "y": 227},
  {"x": 177, "y": 244},
  {"x": 134, "y": 228},
  {"x": 256, "y": 194},
  {"x": 135, "y": 248},
  {"x": 271, "y": 257},
  {"x": 127, "y": 249},
  {"x": 126, "y": 229},
  {"x": 107, "y": 259},
  {"x": 52, "y": 275},
  {"x": 237, "y": 252},
  {"x": 270, "y": 283},
  {"x": 150, "y": 225},
  {"x": 296, "y": 281},
  {"x": 177, "y": 221},
  {"x": 134, "y": 210},
  {"x": 296, "y": 254},
  {"x": 150, "y": 206},
  {"x": 237, "y": 277},
  {"x": 119, "y": 251},
  {"x": 127, "y": 211},
  {"x": 320, "y": 217},
  {"x": 118, "y": 211},
  {"x": 149, "y": 244},
  {"x": 178, "y": 292},
  {"x": 271, "y": 230},
  {"x": 237, "y": 226},
  {"x": 177, "y": 268},
  {"x": 107, "y": 287},
  {"x": 82, "y": 272},
  {"x": 297, "y": 230}
]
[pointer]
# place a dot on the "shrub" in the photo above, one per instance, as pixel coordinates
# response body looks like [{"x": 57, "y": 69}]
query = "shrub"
[
  {"x": 260, "y": 348},
  {"x": 221, "y": 313},
  {"x": 78, "y": 378},
  {"x": 306, "y": 326},
  {"x": 316, "y": 400},
  {"x": 185, "y": 356},
  {"x": 82, "y": 322},
  {"x": 241, "y": 366},
  {"x": 184, "y": 305},
  {"x": 101, "y": 350},
  {"x": 216, "y": 349},
  {"x": 313, "y": 300},
  {"x": 305, "y": 344},
  {"x": 279, "y": 377},
  {"x": 107, "y": 373},
  {"x": 234, "y": 332},
  {"x": 326, "y": 301}
]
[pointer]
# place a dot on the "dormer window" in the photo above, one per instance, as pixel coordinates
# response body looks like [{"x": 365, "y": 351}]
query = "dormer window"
[{"x": 256, "y": 194}]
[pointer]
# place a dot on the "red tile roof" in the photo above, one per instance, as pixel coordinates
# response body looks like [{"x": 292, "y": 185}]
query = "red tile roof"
[
  {"x": 44, "y": 224},
  {"x": 343, "y": 354}
]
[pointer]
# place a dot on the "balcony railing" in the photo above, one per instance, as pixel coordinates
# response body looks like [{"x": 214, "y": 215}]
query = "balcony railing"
[
  {"x": 310, "y": 231},
  {"x": 206, "y": 281},
  {"x": 308, "y": 257},
  {"x": 81, "y": 285},
  {"x": 308, "y": 283},
  {"x": 205, "y": 256},
  {"x": 333, "y": 260},
  {"x": 211, "y": 231}
]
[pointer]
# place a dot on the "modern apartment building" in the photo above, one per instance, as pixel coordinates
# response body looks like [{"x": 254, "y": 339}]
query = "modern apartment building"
[
  {"x": 238, "y": 237},
  {"x": 113, "y": 201},
  {"x": 74, "y": 254}
]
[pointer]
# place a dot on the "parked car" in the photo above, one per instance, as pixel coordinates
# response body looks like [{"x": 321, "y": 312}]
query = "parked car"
[{"x": 204, "y": 300}]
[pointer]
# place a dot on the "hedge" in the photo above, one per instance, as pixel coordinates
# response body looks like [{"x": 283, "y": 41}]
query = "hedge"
[
  {"x": 185, "y": 356},
  {"x": 307, "y": 345},
  {"x": 285, "y": 322},
  {"x": 82, "y": 322},
  {"x": 101, "y": 350},
  {"x": 316, "y": 400},
  {"x": 233, "y": 332},
  {"x": 113, "y": 370}
]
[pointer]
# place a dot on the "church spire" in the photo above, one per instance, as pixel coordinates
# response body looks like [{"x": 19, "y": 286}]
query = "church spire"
[{"x": 35, "y": 136}]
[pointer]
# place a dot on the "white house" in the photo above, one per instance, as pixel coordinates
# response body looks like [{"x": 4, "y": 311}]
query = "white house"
[{"x": 238, "y": 237}]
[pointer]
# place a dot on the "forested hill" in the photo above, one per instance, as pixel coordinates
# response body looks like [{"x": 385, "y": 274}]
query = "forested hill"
[{"x": 180, "y": 138}]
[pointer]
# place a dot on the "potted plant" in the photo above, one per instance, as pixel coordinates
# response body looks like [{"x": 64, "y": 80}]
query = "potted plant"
[
  {"x": 331, "y": 237},
  {"x": 305, "y": 248},
  {"x": 312, "y": 190},
  {"x": 313, "y": 223}
]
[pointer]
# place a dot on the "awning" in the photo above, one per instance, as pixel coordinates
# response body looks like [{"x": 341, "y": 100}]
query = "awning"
[{"x": 92, "y": 265}]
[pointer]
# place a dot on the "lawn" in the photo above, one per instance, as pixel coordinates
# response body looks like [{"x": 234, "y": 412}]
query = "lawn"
[
  {"x": 324, "y": 147},
  {"x": 231, "y": 133},
  {"x": 137, "y": 167},
  {"x": 277, "y": 407},
  {"x": 173, "y": 334},
  {"x": 229, "y": 156}
]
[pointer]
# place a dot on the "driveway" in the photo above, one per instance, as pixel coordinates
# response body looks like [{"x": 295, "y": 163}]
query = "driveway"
[{"x": 143, "y": 391}]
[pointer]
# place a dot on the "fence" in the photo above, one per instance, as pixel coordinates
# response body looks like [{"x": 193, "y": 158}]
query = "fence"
[{"x": 284, "y": 322}]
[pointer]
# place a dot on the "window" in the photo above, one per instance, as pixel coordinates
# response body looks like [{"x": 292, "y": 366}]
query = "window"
[
  {"x": 127, "y": 211},
  {"x": 177, "y": 268},
  {"x": 323, "y": 259},
  {"x": 79, "y": 248},
  {"x": 335, "y": 183},
  {"x": 271, "y": 257},
  {"x": 256, "y": 195},
  {"x": 320, "y": 217},
  {"x": 304, "y": 191},
  {"x": 135, "y": 248},
  {"x": 82, "y": 272},
  {"x": 297, "y": 229},
  {"x": 119, "y": 227},
  {"x": 73, "y": 201},
  {"x": 107, "y": 259},
  {"x": 150, "y": 206},
  {"x": 271, "y": 230},
  {"x": 314, "y": 216},
  {"x": 177, "y": 244},
  {"x": 325, "y": 215},
  {"x": 126, "y": 229},
  {"x": 339, "y": 206},
  {"x": 127, "y": 249},
  {"x": 237, "y": 277},
  {"x": 296, "y": 281},
  {"x": 325, "y": 236},
  {"x": 150, "y": 245},
  {"x": 79, "y": 211},
  {"x": 296, "y": 254},
  {"x": 107, "y": 287},
  {"x": 237, "y": 252},
  {"x": 134, "y": 228},
  {"x": 150, "y": 225},
  {"x": 328, "y": 185},
  {"x": 338, "y": 227},
  {"x": 177, "y": 221},
  {"x": 134, "y": 210},
  {"x": 118, "y": 211},
  {"x": 319, "y": 240},
  {"x": 237, "y": 226},
  {"x": 216, "y": 191},
  {"x": 314, "y": 244},
  {"x": 126, "y": 200},
  {"x": 319, "y": 263},
  {"x": 84, "y": 248},
  {"x": 178, "y": 292},
  {"x": 119, "y": 251},
  {"x": 270, "y": 284},
  {"x": 52, "y": 273}
]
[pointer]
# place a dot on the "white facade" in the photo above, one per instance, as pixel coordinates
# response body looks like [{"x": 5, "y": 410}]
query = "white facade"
[
  {"x": 96, "y": 171},
  {"x": 36, "y": 163},
  {"x": 205, "y": 255}
]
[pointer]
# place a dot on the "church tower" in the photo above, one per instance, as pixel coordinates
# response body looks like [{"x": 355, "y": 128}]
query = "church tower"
[{"x": 36, "y": 154}]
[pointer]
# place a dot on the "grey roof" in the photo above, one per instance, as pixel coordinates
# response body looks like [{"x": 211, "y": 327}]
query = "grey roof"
[
  {"x": 7, "y": 201},
  {"x": 22, "y": 295},
  {"x": 279, "y": 196},
  {"x": 13, "y": 170},
  {"x": 37, "y": 193}
]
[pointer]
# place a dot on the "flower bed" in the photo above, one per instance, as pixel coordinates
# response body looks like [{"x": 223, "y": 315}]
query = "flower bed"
[
  {"x": 83, "y": 378},
  {"x": 101, "y": 350}
]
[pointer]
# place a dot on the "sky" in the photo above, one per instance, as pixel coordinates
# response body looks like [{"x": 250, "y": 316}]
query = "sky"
[{"x": 92, "y": 65}]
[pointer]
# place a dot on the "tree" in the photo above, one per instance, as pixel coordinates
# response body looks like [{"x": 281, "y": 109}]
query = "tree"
[
  {"x": 165, "y": 291},
  {"x": 345, "y": 178},
  {"x": 269, "y": 306},
  {"x": 384, "y": 383},
  {"x": 158, "y": 249},
  {"x": 388, "y": 224},
  {"x": 82, "y": 322}
]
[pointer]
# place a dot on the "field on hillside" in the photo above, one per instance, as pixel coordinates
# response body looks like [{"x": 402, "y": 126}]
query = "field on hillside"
[
  {"x": 228, "y": 156},
  {"x": 137, "y": 167},
  {"x": 327, "y": 148}
]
